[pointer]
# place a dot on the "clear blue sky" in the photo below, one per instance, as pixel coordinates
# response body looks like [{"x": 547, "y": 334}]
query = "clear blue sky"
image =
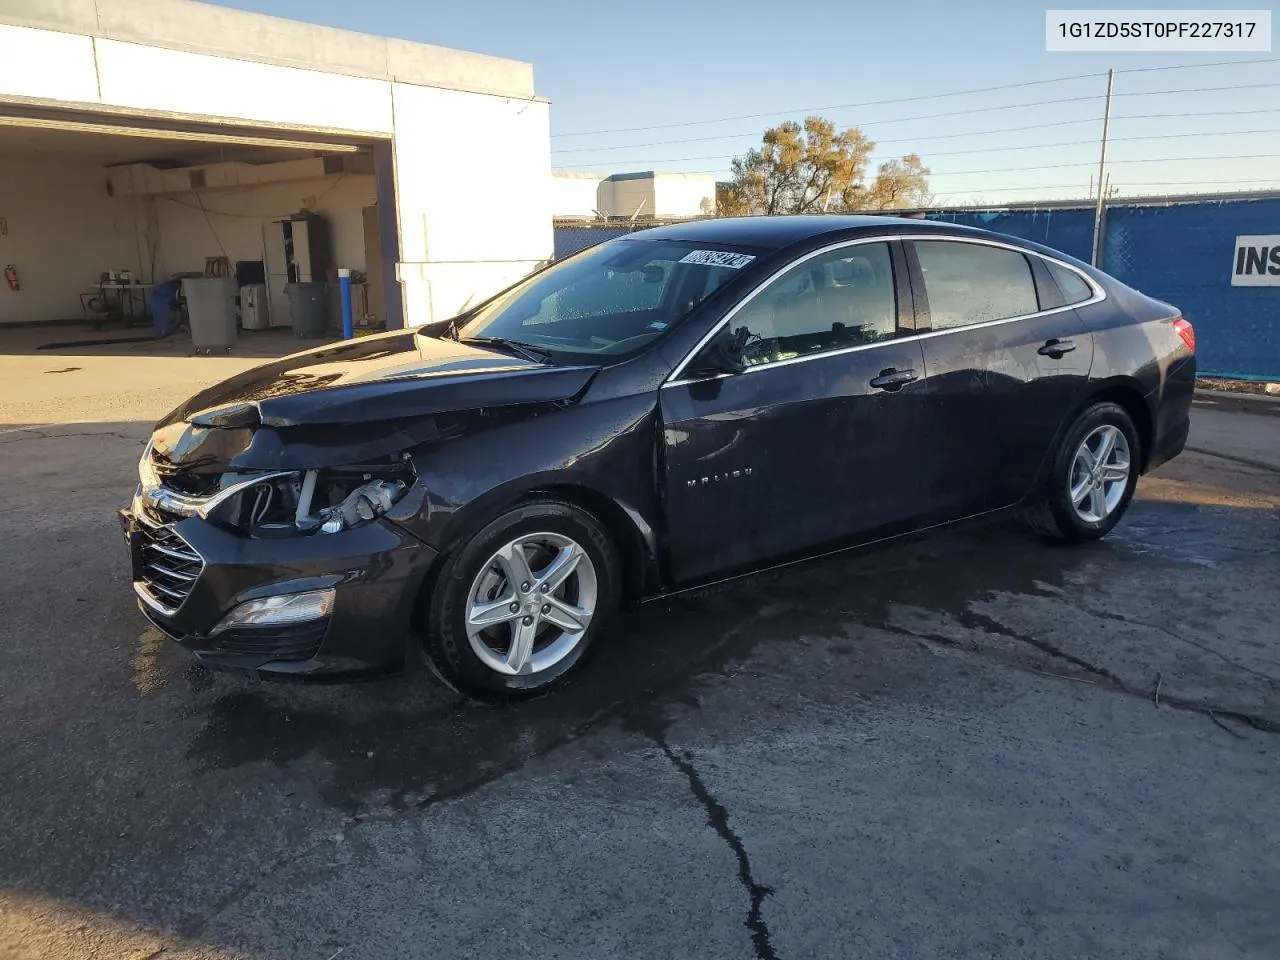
[{"x": 661, "y": 62}]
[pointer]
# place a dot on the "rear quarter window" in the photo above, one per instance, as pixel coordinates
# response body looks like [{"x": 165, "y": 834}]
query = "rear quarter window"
[{"x": 1073, "y": 286}]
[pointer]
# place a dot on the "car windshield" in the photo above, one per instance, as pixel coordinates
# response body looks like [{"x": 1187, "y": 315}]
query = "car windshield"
[{"x": 607, "y": 303}]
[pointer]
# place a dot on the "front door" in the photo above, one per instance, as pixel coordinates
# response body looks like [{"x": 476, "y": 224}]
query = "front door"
[
  {"x": 1005, "y": 366},
  {"x": 816, "y": 442}
]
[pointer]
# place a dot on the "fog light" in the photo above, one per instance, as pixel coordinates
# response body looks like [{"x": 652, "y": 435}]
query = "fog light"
[{"x": 279, "y": 611}]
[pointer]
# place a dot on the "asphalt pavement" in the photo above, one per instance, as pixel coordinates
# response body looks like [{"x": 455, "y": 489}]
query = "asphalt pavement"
[{"x": 971, "y": 745}]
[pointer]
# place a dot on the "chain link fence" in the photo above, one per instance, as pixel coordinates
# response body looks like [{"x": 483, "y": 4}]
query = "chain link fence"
[{"x": 574, "y": 235}]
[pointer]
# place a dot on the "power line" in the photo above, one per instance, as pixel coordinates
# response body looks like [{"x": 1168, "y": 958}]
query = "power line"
[
  {"x": 1005, "y": 149},
  {"x": 1081, "y": 163},
  {"x": 838, "y": 106},
  {"x": 924, "y": 116},
  {"x": 1197, "y": 66},
  {"x": 954, "y": 113},
  {"x": 1136, "y": 183},
  {"x": 912, "y": 99},
  {"x": 1090, "y": 163},
  {"x": 952, "y": 136}
]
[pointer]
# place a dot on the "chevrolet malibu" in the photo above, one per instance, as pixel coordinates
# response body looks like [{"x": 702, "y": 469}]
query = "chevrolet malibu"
[{"x": 659, "y": 412}]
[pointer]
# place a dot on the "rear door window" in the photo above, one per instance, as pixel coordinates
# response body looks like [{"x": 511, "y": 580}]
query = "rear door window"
[{"x": 969, "y": 283}]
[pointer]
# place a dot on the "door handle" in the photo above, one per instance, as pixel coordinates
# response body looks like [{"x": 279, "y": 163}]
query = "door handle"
[
  {"x": 1055, "y": 348},
  {"x": 893, "y": 379}
]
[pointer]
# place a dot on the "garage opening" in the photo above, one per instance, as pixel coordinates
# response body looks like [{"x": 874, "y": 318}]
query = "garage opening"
[{"x": 211, "y": 235}]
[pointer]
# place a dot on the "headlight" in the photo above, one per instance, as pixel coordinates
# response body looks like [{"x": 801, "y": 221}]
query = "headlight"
[
  {"x": 366, "y": 502},
  {"x": 279, "y": 611},
  {"x": 147, "y": 475},
  {"x": 325, "y": 500}
]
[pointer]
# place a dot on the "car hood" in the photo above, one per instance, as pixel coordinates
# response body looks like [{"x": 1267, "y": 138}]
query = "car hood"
[
  {"x": 348, "y": 402},
  {"x": 396, "y": 375}
]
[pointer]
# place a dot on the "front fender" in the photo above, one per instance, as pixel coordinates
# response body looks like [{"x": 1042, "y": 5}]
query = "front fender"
[{"x": 605, "y": 449}]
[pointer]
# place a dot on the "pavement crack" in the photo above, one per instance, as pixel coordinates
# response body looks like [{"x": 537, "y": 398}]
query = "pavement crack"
[
  {"x": 1244, "y": 461},
  {"x": 623, "y": 707},
  {"x": 1114, "y": 681},
  {"x": 1173, "y": 634},
  {"x": 241, "y": 890},
  {"x": 718, "y": 818},
  {"x": 42, "y": 435},
  {"x": 978, "y": 621}
]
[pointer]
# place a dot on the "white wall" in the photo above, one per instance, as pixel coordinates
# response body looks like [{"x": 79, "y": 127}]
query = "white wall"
[
  {"x": 61, "y": 232},
  {"x": 236, "y": 218},
  {"x": 683, "y": 194},
  {"x": 575, "y": 194},
  {"x": 151, "y": 78},
  {"x": 631, "y": 197},
  {"x": 215, "y": 29},
  {"x": 40, "y": 63},
  {"x": 646, "y": 195},
  {"x": 473, "y": 181}
]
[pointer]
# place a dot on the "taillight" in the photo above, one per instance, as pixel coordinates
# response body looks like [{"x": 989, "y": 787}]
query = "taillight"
[{"x": 1187, "y": 332}]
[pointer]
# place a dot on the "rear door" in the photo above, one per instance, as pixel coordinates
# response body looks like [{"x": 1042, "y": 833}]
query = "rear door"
[
  {"x": 817, "y": 440},
  {"x": 1005, "y": 362}
]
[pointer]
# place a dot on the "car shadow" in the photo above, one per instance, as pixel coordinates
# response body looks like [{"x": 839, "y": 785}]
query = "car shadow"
[{"x": 409, "y": 741}]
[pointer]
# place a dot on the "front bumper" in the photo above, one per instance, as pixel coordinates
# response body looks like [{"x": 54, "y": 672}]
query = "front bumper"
[{"x": 375, "y": 571}]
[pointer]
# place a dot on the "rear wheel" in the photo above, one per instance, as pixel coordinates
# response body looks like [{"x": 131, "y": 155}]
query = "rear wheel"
[
  {"x": 1093, "y": 476},
  {"x": 518, "y": 606}
]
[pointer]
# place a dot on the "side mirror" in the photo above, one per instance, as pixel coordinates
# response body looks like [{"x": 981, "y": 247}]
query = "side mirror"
[{"x": 723, "y": 355}]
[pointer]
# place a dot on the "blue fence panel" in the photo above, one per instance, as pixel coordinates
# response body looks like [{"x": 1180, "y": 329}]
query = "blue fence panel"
[
  {"x": 1070, "y": 231},
  {"x": 1184, "y": 253}
]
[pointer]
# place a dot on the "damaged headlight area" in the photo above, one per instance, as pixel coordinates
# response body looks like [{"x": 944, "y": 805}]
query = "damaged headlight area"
[{"x": 321, "y": 501}]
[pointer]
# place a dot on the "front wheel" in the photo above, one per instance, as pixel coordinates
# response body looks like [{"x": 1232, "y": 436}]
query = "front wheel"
[
  {"x": 1093, "y": 476},
  {"x": 518, "y": 606}
]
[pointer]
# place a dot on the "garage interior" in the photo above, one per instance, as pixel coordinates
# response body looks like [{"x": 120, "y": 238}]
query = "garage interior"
[{"x": 126, "y": 228}]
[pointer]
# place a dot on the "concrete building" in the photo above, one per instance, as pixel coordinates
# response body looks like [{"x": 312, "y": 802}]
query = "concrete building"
[
  {"x": 151, "y": 135},
  {"x": 632, "y": 195}
]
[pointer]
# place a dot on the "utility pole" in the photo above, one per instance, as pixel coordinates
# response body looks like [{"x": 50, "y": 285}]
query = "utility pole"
[{"x": 1102, "y": 174}]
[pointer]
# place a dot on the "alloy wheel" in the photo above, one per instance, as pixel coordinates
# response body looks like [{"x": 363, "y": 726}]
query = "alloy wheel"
[
  {"x": 531, "y": 603},
  {"x": 1100, "y": 473}
]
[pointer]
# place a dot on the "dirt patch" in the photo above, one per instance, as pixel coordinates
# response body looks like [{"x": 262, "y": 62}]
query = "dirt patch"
[{"x": 1238, "y": 386}]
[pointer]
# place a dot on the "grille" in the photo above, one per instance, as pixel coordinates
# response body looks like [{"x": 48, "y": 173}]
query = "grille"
[
  {"x": 300, "y": 642},
  {"x": 186, "y": 479},
  {"x": 168, "y": 568}
]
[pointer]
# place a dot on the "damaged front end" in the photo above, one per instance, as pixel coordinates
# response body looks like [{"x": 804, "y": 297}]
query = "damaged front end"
[
  {"x": 261, "y": 547},
  {"x": 276, "y": 522},
  {"x": 264, "y": 481},
  {"x": 266, "y": 504}
]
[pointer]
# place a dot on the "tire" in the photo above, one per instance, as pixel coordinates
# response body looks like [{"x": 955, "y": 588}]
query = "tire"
[
  {"x": 1056, "y": 513},
  {"x": 476, "y": 579}
]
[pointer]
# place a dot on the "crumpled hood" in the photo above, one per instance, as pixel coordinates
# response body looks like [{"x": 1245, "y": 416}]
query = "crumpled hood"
[{"x": 392, "y": 376}]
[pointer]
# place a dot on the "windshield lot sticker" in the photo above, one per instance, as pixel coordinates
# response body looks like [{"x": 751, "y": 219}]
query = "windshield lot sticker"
[{"x": 718, "y": 258}]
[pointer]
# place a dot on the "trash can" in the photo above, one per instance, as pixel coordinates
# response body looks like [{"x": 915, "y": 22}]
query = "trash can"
[
  {"x": 164, "y": 308},
  {"x": 308, "y": 308},
  {"x": 211, "y": 311}
]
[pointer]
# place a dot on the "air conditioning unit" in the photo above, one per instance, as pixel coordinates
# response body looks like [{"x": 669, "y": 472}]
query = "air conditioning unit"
[{"x": 255, "y": 311}]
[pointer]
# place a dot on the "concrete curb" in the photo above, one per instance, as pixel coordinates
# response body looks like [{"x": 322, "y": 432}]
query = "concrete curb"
[{"x": 1233, "y": 395}]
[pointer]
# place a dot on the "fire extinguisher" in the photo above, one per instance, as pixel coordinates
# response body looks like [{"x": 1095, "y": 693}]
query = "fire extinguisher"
[{"x": 11, "y": 277}]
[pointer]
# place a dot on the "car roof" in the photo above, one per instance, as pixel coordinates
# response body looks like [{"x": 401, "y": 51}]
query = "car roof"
[{"x": 783, "y": 231}]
